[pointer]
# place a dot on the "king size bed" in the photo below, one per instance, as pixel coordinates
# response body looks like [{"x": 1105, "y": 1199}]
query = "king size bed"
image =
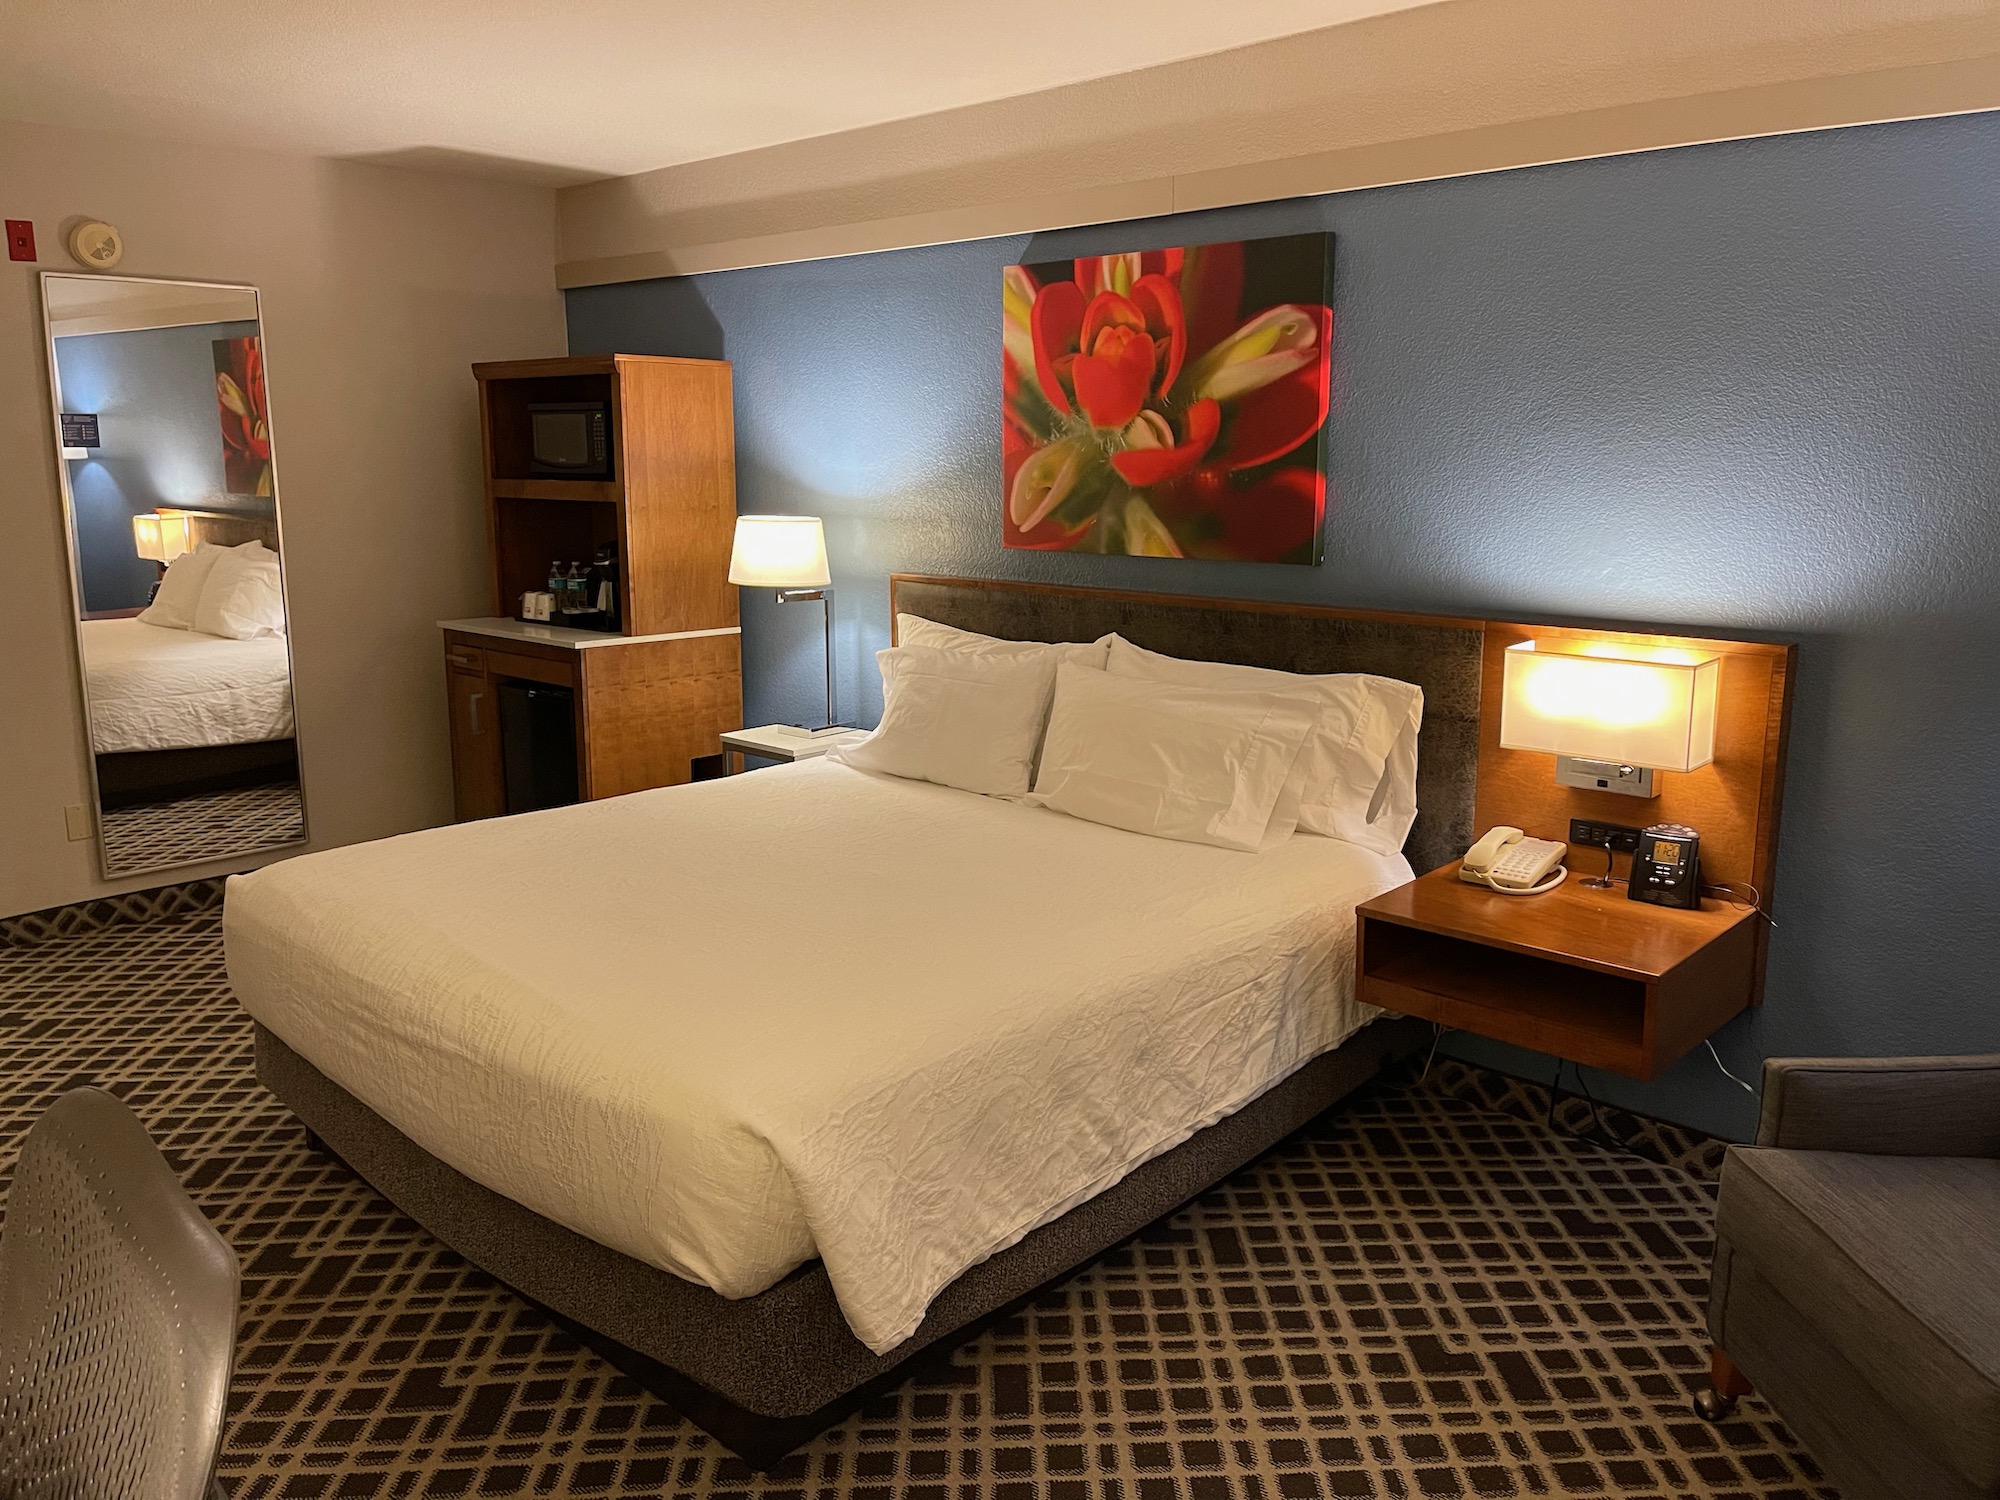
[{"x": 772, "y": 1086}]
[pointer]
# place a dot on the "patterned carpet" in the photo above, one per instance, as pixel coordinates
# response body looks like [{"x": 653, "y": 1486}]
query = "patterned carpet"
[
  {"x": 1416, "y": 1298},
  {"x": 213, "y": 825}
]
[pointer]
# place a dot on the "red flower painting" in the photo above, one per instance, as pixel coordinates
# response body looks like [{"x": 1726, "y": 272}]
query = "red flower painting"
[
  {"x": 246, "y": 427},
  {"x": 1170, "y": 403}
]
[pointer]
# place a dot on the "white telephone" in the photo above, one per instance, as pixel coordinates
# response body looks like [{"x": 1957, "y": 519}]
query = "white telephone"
[{"x": 1513, "y": 864}]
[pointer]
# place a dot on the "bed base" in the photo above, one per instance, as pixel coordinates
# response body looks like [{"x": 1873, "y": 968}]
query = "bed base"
[
  {"x": 126, "y": 778},
  {"x": 764, "y": 1374}
]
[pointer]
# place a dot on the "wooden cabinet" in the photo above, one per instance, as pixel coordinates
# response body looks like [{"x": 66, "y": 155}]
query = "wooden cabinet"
[
  {"x": 478, "y": 787},
  {"x": 656, "y": 696},
  {"x": 643, "y": 710},
  {"x": 1588, "y": 975}
]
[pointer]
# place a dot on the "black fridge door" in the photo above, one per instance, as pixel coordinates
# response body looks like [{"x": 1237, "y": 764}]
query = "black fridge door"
[{"x": 538, "y": 745}]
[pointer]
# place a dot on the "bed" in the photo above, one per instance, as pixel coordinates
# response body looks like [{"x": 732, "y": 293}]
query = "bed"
[
  {"x": 771, "y": 1085},
  {"x": 158, "y": 689},
  {"x": 174, "y": 713}
]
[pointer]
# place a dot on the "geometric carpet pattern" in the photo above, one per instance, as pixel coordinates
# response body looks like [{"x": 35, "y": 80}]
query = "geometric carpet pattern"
[
  {"x": 1412, "y": 1298},
  {"x": 209, "y": 825}
]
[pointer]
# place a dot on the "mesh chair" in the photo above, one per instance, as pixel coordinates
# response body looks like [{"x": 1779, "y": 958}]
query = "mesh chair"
[{"x": 117, "y": 1317}]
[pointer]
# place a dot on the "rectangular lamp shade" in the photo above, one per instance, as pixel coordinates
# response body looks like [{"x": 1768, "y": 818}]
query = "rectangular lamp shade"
[
  {"x": 1602, "y": 700},
  {"x": 163, "y": 535},
  {"x": 779, "y": 552}
]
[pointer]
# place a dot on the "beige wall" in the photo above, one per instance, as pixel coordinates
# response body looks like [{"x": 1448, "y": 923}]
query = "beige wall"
[
  {"x": 380, "y": 287},
  {"x": 1437, "y": 91}
]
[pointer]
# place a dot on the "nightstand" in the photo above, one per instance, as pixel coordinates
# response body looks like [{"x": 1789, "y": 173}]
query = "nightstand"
[
  {"x": 781, "y": 742},
  {"x": 1587, "y": 975}
]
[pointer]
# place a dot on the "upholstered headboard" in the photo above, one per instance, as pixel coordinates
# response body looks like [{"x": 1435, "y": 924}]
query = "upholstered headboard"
[
  {"x": 1440, "y": 656},
  {"x": 231, "y": 528}
]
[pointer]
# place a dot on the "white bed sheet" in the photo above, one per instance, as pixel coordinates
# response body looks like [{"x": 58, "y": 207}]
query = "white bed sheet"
[
  {"x": 157, "y": 689},
  {"x": 724, "y": 1027}
]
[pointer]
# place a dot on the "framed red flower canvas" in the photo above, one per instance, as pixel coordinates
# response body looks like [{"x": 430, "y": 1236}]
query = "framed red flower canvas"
[
  {"x": 1170, "y": 403},
  {"x": 239, "y": 401}
]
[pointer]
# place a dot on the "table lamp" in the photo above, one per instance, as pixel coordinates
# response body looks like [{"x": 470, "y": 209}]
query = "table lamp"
[
  {"x": 162, "y": 535},
  {"x": 788, "y": 554}
]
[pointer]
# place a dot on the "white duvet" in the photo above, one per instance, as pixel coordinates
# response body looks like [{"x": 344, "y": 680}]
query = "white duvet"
[
  {"x": 728, "y": 1026},
  {"x": 157, "y": 689}
]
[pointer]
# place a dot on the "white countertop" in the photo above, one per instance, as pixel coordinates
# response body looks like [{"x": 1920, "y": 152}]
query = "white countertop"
[{"x": 562, "y": 635}]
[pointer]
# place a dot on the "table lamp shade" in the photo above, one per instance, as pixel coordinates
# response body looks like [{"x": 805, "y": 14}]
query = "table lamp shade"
[
  {"x": 162, "y": 535},
  {"x": 779, "y": 552},
  {"x": 1606, "y": 701}
]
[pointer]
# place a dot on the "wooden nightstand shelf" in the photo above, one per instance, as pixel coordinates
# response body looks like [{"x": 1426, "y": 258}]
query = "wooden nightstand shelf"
[{"x": 1582, "y": 974}]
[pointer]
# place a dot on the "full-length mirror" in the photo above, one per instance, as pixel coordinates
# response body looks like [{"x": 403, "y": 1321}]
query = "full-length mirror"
[{"x": 170, "y": 500}]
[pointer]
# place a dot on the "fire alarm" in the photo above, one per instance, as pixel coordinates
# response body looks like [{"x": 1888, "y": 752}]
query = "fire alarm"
[{"x": 96, "y": 244}]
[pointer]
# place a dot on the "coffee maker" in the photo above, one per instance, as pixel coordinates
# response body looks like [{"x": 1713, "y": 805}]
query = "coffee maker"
[{"x": 601, "y": 591}]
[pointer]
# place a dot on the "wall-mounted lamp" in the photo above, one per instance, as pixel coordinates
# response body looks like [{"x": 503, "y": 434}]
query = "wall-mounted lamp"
[
  {"x": 162, "y": 535},
  {"x": 1610, "y": 713},
  {"x": 788, "y": 554}
]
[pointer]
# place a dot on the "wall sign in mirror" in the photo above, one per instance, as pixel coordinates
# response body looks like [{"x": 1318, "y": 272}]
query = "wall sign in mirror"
[{"x": 171, "y": 508}]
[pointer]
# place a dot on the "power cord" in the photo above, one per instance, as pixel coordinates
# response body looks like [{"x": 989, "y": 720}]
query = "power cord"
[
  {"x": 1728, "y": 888},
  {"x": 1725, "y": 1070}
]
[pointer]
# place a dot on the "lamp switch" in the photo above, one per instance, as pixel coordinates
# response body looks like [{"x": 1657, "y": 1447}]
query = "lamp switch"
[
  {"x": 1620, "y": 836},
  {"x": 77, "y": 822}
]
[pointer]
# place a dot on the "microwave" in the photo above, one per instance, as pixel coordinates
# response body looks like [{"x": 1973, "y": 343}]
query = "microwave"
[{"x": 570, "y": 439}]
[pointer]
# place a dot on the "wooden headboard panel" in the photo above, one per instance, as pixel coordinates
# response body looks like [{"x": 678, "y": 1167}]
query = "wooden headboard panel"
[{"x": 1465, "y": 781}]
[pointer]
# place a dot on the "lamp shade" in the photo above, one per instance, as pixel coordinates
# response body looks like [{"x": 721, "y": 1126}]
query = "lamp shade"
[
  {"x": 1604, "y": 700},
  {"x": 779, "y": 552},
  {"x": 162, "y": 535}
]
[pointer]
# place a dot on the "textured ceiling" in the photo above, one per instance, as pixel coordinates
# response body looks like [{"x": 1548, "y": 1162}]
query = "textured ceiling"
[{"x": 571, "y": 91}]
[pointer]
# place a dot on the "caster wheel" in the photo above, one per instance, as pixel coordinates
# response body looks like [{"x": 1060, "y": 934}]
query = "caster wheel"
[{"x": 1711, "y": 1405}]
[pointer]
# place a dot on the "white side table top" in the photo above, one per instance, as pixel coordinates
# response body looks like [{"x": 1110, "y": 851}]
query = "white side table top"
[{"x": 786, "y": 742}]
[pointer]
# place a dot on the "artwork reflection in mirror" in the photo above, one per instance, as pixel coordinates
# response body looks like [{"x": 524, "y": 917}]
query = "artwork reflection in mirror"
[{"x": 171, "y": 500}]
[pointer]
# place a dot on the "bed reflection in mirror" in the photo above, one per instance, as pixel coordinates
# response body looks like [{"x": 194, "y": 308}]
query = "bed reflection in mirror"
[{"x": 171, "y": 503}]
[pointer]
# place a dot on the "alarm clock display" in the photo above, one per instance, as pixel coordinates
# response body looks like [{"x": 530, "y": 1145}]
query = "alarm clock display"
[{"x": 1666, "y": 867}]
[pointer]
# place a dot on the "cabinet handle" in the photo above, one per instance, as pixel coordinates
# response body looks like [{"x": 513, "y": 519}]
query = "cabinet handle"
[
  {"x": 457, "y": 660},
  {"x": 472, "y": 705}
]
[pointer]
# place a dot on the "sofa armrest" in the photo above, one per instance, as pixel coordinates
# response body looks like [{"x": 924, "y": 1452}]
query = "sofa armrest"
[{"x": 1883, "y": 1106}]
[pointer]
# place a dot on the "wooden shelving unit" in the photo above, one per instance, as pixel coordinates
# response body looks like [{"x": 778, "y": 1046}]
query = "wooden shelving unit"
[
  {"x": 659, "y": 693},
  {"x": 670, "y": 503},
  {"x": 1583, "y": 974}
]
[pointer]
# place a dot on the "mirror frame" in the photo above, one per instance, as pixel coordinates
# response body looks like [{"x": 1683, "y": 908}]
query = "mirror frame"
[{"x": 76, "y": 571}]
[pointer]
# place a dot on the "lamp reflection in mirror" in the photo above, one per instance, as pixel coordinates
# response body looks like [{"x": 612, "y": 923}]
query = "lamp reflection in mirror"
[
  {"x": 162, "y": 535},
  {"x": 1632, "y": 709},
  {"x": 788, "y": 554}
]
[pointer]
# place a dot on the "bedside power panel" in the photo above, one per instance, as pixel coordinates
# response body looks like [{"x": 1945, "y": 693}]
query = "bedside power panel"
[{"x": 1622, "y": 837}]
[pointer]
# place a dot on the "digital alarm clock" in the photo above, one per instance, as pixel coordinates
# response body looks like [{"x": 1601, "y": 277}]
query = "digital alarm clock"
[{"x": 1666, "y": 867}]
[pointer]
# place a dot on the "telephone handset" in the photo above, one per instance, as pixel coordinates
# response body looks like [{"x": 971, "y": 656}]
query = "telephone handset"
[{"x": 1513, "y": 864}]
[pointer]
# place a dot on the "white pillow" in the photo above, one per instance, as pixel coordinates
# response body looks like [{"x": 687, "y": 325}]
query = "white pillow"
[
  {"x": 242, "y": 598},
  {"x": 915, "y": 630},
  {"x": 960, "y": 720},
  {"x": 1348, "y": 755},
  {"x": 1394, "y": 807},
  {"x": 179, "y": 593},
  {"x": 1205, "y": 765}
]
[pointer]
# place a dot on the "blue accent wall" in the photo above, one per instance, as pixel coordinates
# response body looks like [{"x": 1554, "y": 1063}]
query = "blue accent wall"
[
  {"x": 1752, "y": 387},
  {"x": 154, "y": 392}
]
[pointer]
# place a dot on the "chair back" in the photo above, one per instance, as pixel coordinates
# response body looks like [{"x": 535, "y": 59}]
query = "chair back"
[{"x": 117, "y": 1316}]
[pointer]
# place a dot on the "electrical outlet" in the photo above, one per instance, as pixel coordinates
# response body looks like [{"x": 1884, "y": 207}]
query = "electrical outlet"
[
  {"x": 77, "y": 821},
  {"x": 1622, "y": 837}
]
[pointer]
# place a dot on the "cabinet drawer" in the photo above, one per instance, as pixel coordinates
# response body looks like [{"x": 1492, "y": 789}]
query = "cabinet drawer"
[
  {"x": 464, "y": 658},
  {"x": 531, "y": 668}
]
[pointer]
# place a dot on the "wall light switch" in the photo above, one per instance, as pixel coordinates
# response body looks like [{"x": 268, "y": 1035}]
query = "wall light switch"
[
  {"x": 20, "y": 239},
  {"x": 77, "y": 821}
]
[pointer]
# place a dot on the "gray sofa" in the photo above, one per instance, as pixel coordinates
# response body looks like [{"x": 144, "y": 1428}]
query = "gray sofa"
[{"x": 1857, "y": 1271}]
